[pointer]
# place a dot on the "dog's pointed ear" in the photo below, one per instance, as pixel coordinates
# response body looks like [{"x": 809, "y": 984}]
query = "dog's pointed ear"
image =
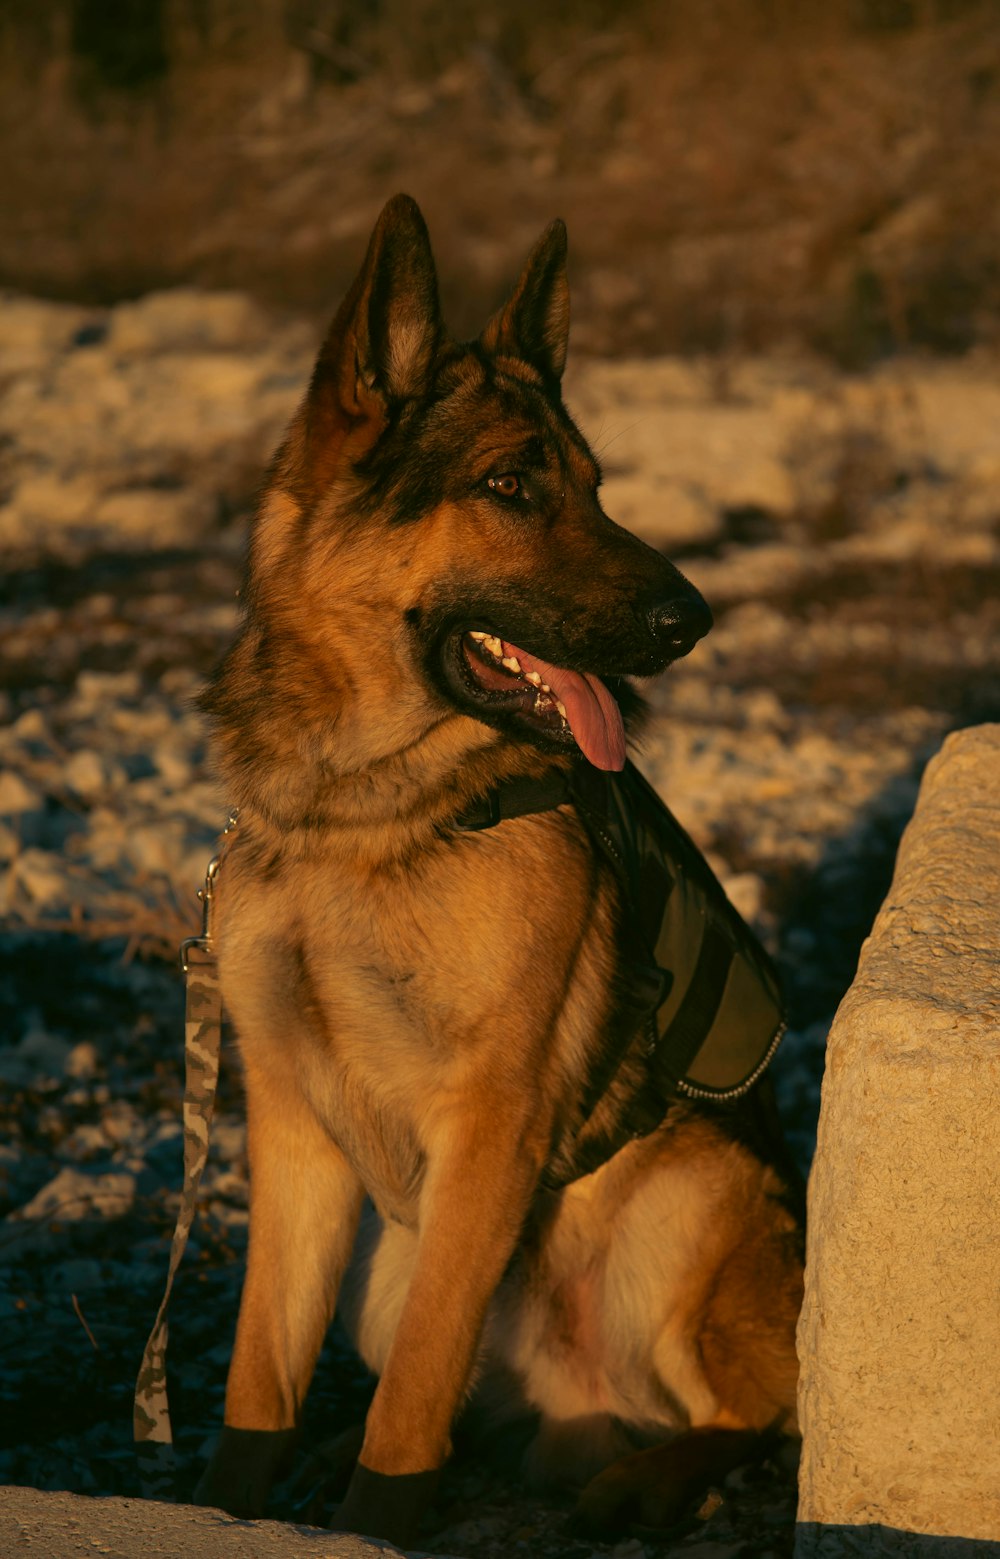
[
  {"x": 381, "y": 347},
  {"x": 534, "y": 322}
]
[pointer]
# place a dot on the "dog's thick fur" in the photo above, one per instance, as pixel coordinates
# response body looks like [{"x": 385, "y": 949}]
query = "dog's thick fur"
[{"x": 417, "y": 1007}]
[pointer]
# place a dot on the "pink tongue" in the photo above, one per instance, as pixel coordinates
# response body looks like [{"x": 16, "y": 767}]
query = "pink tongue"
[{"x": 593, "y": 715}]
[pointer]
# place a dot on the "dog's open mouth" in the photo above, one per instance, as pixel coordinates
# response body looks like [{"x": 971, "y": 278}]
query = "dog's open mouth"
[{"x": 565, "y": 705}]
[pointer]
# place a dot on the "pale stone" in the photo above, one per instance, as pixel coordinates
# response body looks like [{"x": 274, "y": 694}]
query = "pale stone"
[
  {"x": 82, "y": 1061},
  {"x": 61, "y": 1526},
  {"x": 33, "y": 330},
  {"x": 900, "y": 1332},
  {"x": 745, "y": 890},
  {"x": 40, "y": 873},
  {"x": 94, "y": 688},
  {"x": 31, "y": 727},
  {"x": 664, "y": 424},
  {"x": 156, "y": 518},
  {"x": 663, "y": 513},
  {"x": 76, "y": 1194},
  {"x": 184, "y": 319},
  {"x": 86, "y": 773},
  {"x": 49, "y": 501},
  {"x": 17, "y": 796}
]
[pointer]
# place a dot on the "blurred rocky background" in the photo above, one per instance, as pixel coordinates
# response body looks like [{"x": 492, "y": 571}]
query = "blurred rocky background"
[
  {"x": 785, "y": 228},
  {"x": 735, "y": 173}
]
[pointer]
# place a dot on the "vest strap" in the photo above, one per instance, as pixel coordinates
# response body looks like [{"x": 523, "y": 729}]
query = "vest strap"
[{"x": 518, "y": 797}]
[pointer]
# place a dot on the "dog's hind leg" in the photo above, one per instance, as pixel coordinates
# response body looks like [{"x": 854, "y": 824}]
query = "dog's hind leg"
[
  {"x": 740, "y": 1393},
  {"x": 727, "y": 1352},
  {"x": 305, "y": 1202}
]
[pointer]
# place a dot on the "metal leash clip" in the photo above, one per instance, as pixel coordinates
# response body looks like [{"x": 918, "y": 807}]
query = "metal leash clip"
[{"x": 207, "y": 897}]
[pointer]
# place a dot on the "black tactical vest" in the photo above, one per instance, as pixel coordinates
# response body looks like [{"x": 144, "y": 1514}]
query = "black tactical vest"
[
  {"x": 717, "y": 1018},
  {"x": 702, "y": 990}
]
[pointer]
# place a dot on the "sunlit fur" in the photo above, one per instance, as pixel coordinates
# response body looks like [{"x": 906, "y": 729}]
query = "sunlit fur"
[{"x": 416, "y": 1007}]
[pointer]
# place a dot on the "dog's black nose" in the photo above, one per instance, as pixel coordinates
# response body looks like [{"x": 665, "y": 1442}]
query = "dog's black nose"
[{"x": 679, "y": 623}]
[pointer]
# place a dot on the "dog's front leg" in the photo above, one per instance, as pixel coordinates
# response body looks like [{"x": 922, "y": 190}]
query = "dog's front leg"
[
  {"x": 305, "y": 1202},
  {"x": 477, "y": 1191}
]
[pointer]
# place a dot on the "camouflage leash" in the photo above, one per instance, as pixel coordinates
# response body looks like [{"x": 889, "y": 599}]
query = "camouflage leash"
[{"x": 151, "y": 1428}]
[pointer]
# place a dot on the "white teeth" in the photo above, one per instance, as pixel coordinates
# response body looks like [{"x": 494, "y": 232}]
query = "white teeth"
[
  {"x": 561, "y": 707},
  {"x": 494, "y": 646}
]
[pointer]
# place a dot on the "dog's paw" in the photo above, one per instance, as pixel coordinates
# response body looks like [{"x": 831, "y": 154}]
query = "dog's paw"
[
  {"x": 385, "y": 1505},
  {"x": 243, "y": 1466},
  {"x": 628, "y": 1493},
  {"x": 654, "y": 1488}
]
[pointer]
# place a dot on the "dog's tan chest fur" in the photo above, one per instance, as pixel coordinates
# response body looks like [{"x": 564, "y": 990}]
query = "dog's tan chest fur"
[{"x": 391, "y": 995}]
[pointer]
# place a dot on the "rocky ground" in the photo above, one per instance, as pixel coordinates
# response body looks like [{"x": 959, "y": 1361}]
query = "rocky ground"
[{"x": 846, "y": 530}]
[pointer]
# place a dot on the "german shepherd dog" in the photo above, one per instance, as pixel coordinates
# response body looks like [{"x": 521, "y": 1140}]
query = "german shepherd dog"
[{"x": 436, "y": 602}]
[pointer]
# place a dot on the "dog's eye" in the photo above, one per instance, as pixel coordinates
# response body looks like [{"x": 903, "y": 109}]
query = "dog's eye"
[{"x": 506, "y": 486}]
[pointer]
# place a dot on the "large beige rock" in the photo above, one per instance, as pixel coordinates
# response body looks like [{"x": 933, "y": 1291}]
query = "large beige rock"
[{"x": 900, "y": 1332}]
